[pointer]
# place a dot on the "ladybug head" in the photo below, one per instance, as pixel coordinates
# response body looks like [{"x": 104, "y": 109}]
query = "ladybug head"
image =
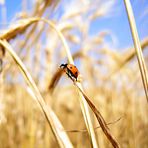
[{"x": 63, "y": 65}]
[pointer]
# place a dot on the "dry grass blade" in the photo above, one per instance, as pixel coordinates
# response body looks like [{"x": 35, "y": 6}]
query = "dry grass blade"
[
  {"x": 55, "y": 80},
  {"x": 2, "y": 54},
  {"x": 101, "y": 120},
  {"x": 53, "y": 121},
  {"x": 84, "y": 130},
  {"x": 19, "y": 29},
  {"x": 136, "y": 41},
  {"x": 82, "y": 101},
  {"x": 56, "y": 77}
]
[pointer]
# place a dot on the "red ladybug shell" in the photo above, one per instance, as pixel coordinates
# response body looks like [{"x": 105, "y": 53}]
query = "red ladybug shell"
[{"x": 73, "y": 70}]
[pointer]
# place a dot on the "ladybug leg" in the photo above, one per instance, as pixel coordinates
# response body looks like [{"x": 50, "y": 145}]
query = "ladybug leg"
[
  {"x": 73, "y": 77},
  {"x": 69, "y": 74}
]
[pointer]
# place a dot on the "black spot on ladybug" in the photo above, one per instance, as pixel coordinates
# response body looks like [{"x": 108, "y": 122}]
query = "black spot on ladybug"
[
  {"x": 76, "y": 73},
  {"x": 70, "y": 67}
]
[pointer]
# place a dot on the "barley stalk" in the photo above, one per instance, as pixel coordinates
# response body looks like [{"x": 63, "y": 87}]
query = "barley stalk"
[
  {"x": 100, "y": 119},
  {"x": 83, "y": 104},
  {"x": 137, "y": 45},
  {"x": 53, "y": 121},
  {"x": 84, "y": 107}
]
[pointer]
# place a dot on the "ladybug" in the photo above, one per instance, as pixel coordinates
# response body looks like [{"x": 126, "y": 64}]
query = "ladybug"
[{"x": 71, "y": 70}]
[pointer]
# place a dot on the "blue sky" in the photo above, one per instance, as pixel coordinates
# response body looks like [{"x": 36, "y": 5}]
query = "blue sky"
[{"x": 117, "y": 24}]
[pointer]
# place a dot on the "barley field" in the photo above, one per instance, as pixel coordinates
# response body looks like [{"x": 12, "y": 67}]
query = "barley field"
[{"x": 41, "y": 107}]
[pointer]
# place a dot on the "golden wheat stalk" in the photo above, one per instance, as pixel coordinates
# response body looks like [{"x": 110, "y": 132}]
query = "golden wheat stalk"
[
  {"x": 83, "y": 103},
  {"x": 21, "y": 27},
  {"x": 53, "y": 121},
  {"x": 100, "y": 119},
  {"x": 137, "y": 45}
]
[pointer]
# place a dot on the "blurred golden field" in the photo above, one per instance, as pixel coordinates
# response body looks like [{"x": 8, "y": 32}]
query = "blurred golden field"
[{"x": 110, "y": 78}]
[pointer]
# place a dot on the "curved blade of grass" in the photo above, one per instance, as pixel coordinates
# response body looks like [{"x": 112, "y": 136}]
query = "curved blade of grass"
[
  {"x": 83, "y": 104},
  {"x": 101, "y": 120},
  {"x": 56, "y": 77},
  {"x": 19, "y": 29},
  {"x": 137, "y": 45},
  {"x": 53, "y": 121}
]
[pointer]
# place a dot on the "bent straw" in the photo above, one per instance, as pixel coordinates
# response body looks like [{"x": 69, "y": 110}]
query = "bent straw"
[
  {"x": 83, "y": 104},
  {"x": 19, "y": 28},
  {"x": 101, "y": 120},
  {"x": 50, "y": 116}
]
